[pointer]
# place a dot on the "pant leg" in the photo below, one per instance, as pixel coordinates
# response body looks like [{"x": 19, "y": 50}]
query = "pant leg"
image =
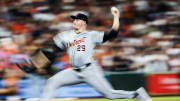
[
  {"x": 95, "y": 78},
  {"x": 65, "y": 77}
]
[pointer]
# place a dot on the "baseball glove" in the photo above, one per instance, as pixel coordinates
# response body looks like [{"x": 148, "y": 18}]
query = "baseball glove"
[{"x": 40, "y": 59}]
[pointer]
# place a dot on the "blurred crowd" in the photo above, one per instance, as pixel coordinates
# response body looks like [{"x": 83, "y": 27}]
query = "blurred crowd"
[{"x": 148, "y": 40}]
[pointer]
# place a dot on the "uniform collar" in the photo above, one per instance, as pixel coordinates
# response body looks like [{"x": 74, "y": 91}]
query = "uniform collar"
[{"x": 80, "y": 33}]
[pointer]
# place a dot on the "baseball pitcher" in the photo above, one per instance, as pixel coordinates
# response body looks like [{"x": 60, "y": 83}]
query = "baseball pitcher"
[{"x": 79, "y": 44}]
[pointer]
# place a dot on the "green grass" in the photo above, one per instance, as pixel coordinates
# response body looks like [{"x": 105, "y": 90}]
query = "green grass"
[{"x": 171, "y": 98}]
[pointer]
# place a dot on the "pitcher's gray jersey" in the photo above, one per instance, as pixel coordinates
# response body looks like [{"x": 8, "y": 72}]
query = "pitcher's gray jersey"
[{"x": 80, "y": 47}]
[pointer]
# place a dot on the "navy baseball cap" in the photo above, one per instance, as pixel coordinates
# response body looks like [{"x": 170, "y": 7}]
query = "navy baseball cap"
[{"x": 80, "y": 16}]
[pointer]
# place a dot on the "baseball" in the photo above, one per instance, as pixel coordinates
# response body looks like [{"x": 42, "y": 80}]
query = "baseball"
[{"x": 114, "y": 9}]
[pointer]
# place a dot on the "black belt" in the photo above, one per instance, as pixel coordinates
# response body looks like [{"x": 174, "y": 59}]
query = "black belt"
[{"x": 80, "y": 69}]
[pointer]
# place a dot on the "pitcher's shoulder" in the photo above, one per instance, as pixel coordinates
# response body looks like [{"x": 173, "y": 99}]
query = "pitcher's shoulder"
[{"x": 94, "y": 32}]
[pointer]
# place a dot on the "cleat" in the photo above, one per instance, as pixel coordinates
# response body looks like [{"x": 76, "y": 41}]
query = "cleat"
[{"x": 143, "y": 95}]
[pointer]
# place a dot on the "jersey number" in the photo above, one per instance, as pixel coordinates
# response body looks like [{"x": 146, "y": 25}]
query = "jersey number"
[{"x": 81, "y": 48}]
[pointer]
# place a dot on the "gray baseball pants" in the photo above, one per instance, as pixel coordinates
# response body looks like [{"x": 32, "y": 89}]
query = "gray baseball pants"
[{"x": 92, "y": 75}]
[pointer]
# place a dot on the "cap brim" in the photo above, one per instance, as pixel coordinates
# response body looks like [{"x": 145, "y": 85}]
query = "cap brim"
[{"x": 74, "y": 17}]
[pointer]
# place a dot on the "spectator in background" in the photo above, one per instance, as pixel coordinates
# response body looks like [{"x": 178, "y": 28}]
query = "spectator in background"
[{"x": 9, "y": 84}]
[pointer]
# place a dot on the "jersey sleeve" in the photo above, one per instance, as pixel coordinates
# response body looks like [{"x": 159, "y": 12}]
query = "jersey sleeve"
[
  {"x": 97, "y": 37},
  {"x": 58, "y": 40}
]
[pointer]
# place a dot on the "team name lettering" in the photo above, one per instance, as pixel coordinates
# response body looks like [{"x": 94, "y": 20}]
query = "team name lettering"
[{"x": 76, "y": 42}]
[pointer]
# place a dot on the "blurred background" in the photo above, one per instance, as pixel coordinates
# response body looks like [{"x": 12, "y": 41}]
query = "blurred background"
[{"x": 145, "y": 53}]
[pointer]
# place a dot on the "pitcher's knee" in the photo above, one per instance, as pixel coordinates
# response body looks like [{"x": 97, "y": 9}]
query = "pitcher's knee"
[{"x": 52, "y": 82}]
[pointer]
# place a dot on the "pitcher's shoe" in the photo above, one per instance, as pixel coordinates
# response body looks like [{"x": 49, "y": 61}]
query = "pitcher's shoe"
[{"x": 143, "y": 95}]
